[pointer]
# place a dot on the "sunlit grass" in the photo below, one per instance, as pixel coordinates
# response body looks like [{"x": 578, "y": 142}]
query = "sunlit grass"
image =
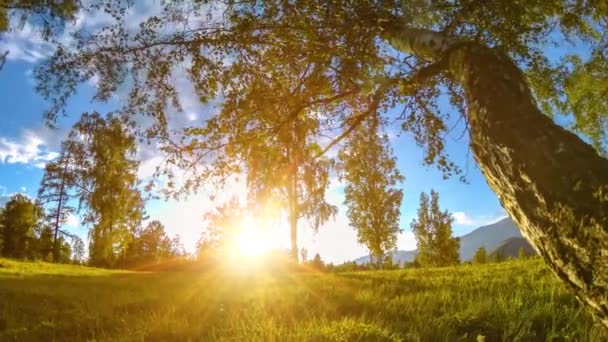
[{"x": 504, "y": 302}]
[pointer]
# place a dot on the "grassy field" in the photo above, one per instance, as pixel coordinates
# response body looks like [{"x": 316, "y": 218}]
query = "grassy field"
[{"x": 517, "y": 300}]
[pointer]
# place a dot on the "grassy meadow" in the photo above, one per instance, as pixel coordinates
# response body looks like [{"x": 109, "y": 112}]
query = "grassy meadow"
[{"x": 511, "y": 301}]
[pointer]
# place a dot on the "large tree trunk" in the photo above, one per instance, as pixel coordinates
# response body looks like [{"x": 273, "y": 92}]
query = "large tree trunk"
[{"x": 552, "y": 184}]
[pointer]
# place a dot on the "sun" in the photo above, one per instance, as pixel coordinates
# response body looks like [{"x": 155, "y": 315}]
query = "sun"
[{"x": 252, "y": 241}]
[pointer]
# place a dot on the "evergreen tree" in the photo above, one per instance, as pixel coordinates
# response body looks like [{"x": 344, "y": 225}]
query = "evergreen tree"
[
  {"x": 480, "y": 256},
  {"x": 371, "y": 196},
  {"x": 59, "y": 186},
  {"x": 340, "y": 62},
  {"x": 433, "y": 231}
]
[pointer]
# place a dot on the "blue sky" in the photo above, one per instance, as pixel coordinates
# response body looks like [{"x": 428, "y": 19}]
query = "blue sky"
[{"x": 26, "y": 144}]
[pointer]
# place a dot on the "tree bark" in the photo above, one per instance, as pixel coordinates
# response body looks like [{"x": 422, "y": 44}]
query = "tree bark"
[{"x": 552, "y": 184}]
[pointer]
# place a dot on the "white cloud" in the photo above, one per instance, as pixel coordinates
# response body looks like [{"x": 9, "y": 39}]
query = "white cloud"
[
  {"x": 73, "y": 221},
  {"x": 462, "y": 218},
  {"x": 30, "y": 148},
  {"x": 23, "y": 189}
]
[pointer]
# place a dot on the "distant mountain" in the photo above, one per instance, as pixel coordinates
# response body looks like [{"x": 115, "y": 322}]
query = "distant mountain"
[
  {"x": 510, "y": 248},
  {"x": 490, "y": 237},
  {"x": 398, "y": 257}
]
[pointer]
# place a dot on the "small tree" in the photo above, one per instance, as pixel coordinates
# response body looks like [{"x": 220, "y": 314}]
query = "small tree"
[
  {"x": 433, "y": 230},
  {"x": 480, "y": 256},
  {"x": 317, "y": 263},
  {"x": 521, "y": 253},
  {"x": 303, "y": 255}
]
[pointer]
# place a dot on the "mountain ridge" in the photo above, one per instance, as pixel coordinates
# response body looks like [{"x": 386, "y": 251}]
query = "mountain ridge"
[{"x": 491, "y": 237}]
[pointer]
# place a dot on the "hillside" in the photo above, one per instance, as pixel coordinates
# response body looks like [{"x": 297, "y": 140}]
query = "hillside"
[
  {"x": 517, "y": 300},
  {"x": 510, "y": 248},
  {"x": 490, "y": 237}
]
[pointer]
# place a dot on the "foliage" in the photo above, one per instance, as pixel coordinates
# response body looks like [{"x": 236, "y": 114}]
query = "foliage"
[
  {"x": 104, "y": 150},
  {"x": 433, "y": 231},
  {"x": 221, "y": 226},
  {"x": 58, "y": 186},
  {"x": 480, "y": 256},
  {"x": 313, "y": 61},
  {"x": 18, "y": 221},
  {"x": 151, "y": 245},
  {"x": 515, "y": 301},
  {"x": 46, "y": 16},
  {"x": 370, "y": 194}
]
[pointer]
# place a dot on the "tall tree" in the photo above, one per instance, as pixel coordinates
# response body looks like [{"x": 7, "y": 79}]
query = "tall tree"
[
  {"x": 291, "y": 174},
  {"x": 18, "y": 221},
  {"x": 109, "y": 173},
  {"x": 57, "y": 189},
  {"x": 433, "y": 231},
  {"x": 370, "y": 194},
  {"x": 366, "y": 57}
]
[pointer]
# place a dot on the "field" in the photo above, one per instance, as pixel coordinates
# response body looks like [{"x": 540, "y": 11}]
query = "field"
[{"x": 516, "y": 300}]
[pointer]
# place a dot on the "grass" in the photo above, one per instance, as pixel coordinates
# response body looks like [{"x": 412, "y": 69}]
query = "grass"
[{"x": 517, "y": 300}]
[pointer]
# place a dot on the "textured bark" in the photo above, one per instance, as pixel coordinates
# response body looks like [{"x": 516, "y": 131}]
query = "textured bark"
[{"x": 552, "y": 184}]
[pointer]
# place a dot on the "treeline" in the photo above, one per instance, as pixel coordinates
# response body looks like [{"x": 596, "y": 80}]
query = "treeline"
[
  {"x": 95, "y": 175},
  {"x": 25, "y": 235}
]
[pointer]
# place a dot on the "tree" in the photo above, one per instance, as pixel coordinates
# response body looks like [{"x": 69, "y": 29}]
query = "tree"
[
  {"x": 221, "y": 226},
  {"x": 109, "y": 175},
  {"x": 433, "y": 231},
  {"x": 496, "y": 76},
  {"x": 18, "y": 221},
  {"x": 521, "y": 253},
  {"x": 78, "y": 252},
  {"x": 370, "y": 194},
  {"x": 303, "y": 255},
  {"x": 151, "y": 245},
  {"x": 480, "y": 256},
  {"x": 317, "y": 263},
  {"x": 45, "y": 245},
  {"x": 55, "y": 192}
]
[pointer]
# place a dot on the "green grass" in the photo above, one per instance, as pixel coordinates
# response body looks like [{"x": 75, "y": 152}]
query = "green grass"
[{"x": 518, "y": 300}]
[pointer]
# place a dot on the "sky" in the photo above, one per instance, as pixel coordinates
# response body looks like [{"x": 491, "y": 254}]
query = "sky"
[{"x": 26, "y": 144}]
